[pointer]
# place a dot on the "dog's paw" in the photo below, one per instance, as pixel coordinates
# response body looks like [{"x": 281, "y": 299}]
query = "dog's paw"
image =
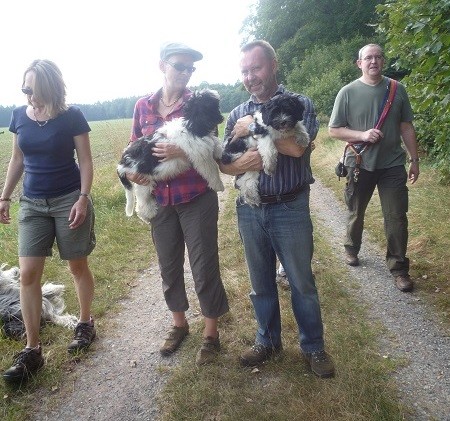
[
  {"x": 270, "y": 164},
  {"x": 217, "y": 185},
  {"x": 302, "y": 136},
  {"x": 147, "y": 210},
  {"x": 302, "y": 141},
  {"x": 251, "y": 196},
  {"x": 270, "y": 168},
  {"x": 252, "y": 200}
]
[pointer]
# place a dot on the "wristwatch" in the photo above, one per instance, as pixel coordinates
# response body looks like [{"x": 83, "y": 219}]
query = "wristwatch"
[{"x": 251, "y": 128}]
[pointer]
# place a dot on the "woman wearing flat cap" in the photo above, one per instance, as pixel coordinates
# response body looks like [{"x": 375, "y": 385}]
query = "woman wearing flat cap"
[{"x": 187, "y": 211}]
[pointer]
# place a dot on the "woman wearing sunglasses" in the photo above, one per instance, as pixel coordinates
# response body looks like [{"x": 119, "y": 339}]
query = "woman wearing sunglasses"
[
  {"x": 187, "y": 211},
  {"x": 55, "y": 204}
]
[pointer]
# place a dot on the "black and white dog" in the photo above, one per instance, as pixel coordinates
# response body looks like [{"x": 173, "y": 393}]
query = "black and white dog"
[
  {"x": 281, "y": 117},
  {"x": 194, "y": 134},
  {"x": 10, "y": 312}
]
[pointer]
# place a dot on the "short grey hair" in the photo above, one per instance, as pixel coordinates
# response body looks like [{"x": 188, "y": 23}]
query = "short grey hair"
[{"x": 366, "y": 46}]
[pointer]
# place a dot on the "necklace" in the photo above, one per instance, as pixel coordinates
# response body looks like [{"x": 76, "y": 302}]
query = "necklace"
[
  {"x": 170, "y": 105},
  {"x": 40, "y": 124}
]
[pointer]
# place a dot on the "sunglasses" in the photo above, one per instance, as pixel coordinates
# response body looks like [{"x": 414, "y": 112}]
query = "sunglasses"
[
  {"x": 180, "y": 67},
  {"x": 27, "y": 90}
]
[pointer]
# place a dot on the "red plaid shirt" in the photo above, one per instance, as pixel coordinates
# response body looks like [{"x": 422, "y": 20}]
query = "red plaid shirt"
[{"x": 146, "y": 120}]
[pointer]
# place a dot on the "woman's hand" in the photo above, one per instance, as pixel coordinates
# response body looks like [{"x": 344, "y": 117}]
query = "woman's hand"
[
  {"x": 138, "y": 178},
  {"x": 165, "y": 151},
  {"x": 4, "y": 212},
  {"x": 78, "y": 212}
]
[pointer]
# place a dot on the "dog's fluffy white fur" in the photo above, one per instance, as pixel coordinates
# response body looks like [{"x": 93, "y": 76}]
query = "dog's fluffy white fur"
[
  {"x": 52, "y": 299},
  {"x": 281, "y": 117},
  {"x": 194, "y": 134}
]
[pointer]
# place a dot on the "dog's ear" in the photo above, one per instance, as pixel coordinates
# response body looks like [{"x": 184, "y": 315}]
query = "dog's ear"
[
  {"x": 266, "y": 111},
  {"x": 294, "y": 104},
  {"x": 298, "y": 107},
  {"x": 202, "y": 112}
]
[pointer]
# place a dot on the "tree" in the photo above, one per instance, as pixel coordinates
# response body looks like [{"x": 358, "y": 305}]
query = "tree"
[
  {"x": 417, "y": 34},
  {"x": 276, "y": 21},
  {"x": 324, "y": 70},
  {"x": 295, "y": 26}
]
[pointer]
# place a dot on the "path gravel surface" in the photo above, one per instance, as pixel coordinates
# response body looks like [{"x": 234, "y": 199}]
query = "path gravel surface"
[
  {"x": 121, "y": 378},
  {"x": 413, "y": 333}
]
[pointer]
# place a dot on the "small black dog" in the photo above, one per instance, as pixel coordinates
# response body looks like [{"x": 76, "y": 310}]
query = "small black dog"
[
  {"x": 194, "y": 133},
  {"x": 281, "y": 117}
]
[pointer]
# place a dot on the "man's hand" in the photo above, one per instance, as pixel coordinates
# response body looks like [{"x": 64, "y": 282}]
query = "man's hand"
[
  {"x": 249, "y": 161},
  {"x": 372, "y": 136},
  {"x": 413, "y": 172},
  {"x": 241, "y": 127},
  {"x": 288, "y": 146}
]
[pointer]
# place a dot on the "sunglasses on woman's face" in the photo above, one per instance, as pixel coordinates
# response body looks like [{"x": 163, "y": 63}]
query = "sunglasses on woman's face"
[
  {"x": 180, "y": 67},
  {"x": 27, "y": 90}
]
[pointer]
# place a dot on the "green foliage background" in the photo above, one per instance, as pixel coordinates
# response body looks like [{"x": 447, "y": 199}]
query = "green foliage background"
[
  {"x": 317, "y": 43},
  {"x": 418, "y": 35}
]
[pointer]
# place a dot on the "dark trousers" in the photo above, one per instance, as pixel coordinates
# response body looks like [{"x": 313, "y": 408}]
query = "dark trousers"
[
  {"x": 193, "y": 224},
  {"x": 393, "y": 193}
]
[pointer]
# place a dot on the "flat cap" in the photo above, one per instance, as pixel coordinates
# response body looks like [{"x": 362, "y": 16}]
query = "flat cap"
[{"x": 171, "y": 48}]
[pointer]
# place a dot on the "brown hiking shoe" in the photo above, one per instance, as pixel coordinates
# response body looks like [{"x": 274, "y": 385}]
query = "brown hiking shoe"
[
  {"x": 25, "y": 364},
  {"x": 351, "y": 259},
  {"x": 321, "y": 364},
  {"x": 84, "y": 335},
  {"x": 258, "y": 354},
  {"x": 173, "y": 339},
  {"x": 404, "y": 283},
  {"x": 208, "y": 351}
]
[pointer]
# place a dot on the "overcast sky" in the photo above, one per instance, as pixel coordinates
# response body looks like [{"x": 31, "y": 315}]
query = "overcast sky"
[{"x": 110, "y": 49}]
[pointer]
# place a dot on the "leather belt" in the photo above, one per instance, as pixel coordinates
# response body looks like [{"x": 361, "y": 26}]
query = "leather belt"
[{"x": 281, "y": 198}]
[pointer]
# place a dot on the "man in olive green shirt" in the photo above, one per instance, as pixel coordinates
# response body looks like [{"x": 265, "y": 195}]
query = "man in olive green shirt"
[{"x": 356, "y": 110}]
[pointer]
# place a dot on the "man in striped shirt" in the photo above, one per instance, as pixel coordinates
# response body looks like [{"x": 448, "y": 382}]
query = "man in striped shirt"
[{"x": 281, "y": 226}]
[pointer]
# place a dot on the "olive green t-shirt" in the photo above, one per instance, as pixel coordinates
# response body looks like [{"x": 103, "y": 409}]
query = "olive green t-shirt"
[{"x": 357, "y": 106}]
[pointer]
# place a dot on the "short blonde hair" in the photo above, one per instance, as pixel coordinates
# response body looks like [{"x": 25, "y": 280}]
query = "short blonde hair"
[{"x": 267, "y": 48}]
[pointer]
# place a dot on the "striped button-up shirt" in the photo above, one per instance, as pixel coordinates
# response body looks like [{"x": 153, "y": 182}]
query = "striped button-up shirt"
[
  {"x": 291, "y": 172},
  {"x": 146, "y": 120}
]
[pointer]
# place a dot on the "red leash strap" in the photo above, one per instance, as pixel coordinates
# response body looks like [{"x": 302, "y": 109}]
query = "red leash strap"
[{"x": 387, "y": 105}]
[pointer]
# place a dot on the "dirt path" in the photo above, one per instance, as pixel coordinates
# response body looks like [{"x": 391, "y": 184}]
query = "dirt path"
[
  {"x": 413, "y": 333},
  {"x": 121, "y": 379}
]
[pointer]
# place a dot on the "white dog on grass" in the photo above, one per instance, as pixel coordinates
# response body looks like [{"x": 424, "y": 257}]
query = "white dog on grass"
[{"x": 52, "y": 303}]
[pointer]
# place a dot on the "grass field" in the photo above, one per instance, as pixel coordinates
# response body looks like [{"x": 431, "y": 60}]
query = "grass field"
[{"x": 285, "y": 390}]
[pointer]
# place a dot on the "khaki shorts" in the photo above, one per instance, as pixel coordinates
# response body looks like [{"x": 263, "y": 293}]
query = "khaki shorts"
[{"x": 42, "y": 221}]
